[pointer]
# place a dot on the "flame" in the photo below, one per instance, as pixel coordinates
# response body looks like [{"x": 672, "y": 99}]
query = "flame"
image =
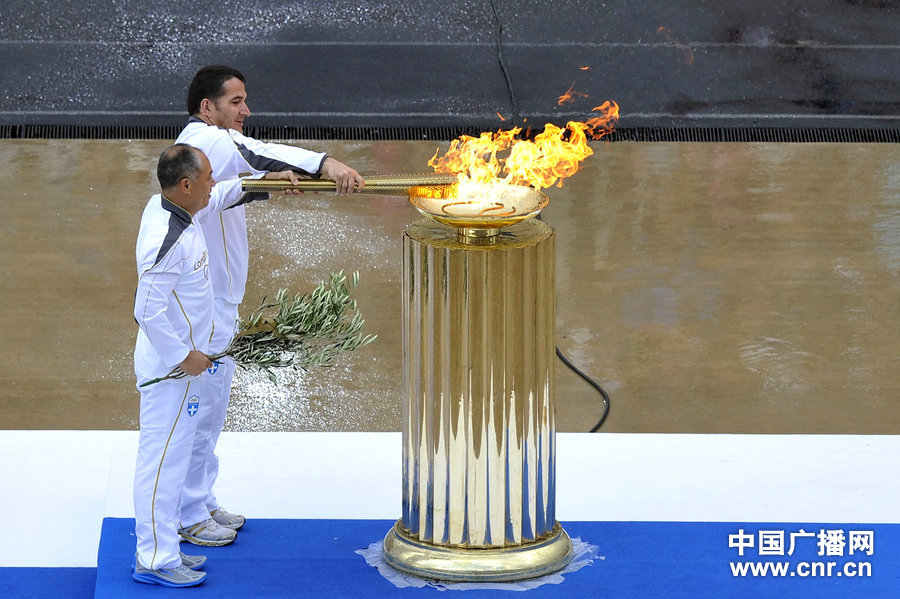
[
  {"x": 570, "y": 95},
  {"x": 504, "y": 157},
  {"x": 500, "y": 116}
]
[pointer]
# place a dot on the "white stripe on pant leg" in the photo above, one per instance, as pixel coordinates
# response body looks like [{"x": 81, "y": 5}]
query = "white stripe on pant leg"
[{"x": 165, "y": 443}]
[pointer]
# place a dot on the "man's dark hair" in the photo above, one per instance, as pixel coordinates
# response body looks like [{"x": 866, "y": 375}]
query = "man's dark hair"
[
  {"x": 175, "y": 163},
  {"x": 209, "y": 82}
]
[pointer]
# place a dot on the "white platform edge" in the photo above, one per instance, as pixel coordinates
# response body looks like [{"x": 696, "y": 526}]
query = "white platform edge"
[{"x": 59, "y": 485}]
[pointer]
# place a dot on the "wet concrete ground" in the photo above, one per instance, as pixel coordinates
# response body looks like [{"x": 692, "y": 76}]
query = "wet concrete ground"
[{"x": 710, "y": 288}]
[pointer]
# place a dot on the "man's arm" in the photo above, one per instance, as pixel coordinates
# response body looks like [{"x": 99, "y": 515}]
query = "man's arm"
[
  {"x": 273, "y": 157},
  {"x": 154, "y": 290},
  {"x": 263, "y": 156},
  {"x": 346, "y": 178},
  {"x": 227, "y": 194}
]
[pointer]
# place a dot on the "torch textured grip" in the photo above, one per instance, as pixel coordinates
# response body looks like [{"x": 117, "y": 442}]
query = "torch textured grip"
[{"x": 376, "y": 184}]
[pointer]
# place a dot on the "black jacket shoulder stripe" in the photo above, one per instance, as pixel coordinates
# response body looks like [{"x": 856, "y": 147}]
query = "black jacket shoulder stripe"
[
  {"x": 177, "y": 226},
  {"x": 263, "y": 163}
]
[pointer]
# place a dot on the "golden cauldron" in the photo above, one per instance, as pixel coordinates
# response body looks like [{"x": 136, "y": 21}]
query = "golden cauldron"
[{"x": 478, "y": 413}]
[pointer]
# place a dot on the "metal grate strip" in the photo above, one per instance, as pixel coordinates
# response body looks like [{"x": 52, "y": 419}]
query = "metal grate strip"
[{"x": 637, "y": 134}]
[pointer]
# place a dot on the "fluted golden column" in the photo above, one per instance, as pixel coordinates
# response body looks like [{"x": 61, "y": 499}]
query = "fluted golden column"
[{"x": 479, "y": 464}]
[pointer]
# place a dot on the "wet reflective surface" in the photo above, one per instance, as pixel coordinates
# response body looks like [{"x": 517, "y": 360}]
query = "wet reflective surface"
[{"x": 708, "y": 287}]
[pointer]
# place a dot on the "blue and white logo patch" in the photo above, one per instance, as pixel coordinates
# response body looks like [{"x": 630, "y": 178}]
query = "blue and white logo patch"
[
  {"x": 193, "y": 405},
  {"x": 213, "y": 369}
]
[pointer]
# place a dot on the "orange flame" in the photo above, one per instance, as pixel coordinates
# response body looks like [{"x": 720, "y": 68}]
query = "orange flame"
[
  {"x": 503, "y": 157},
  {"x": 570, "y": 96}
]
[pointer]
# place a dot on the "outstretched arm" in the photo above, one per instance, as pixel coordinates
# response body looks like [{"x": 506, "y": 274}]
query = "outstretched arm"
[
  {"x": 273, "y": 157},
  {"x": 346, "y": 178}
]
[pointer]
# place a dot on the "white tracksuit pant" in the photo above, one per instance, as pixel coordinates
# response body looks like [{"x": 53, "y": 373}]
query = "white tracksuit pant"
[
  {"x": 198, "y": 497},
  {"x": 170, "y": 411}
]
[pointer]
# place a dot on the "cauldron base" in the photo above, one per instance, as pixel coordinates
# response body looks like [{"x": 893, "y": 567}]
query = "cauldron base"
[{"x": 466, "y": 564}]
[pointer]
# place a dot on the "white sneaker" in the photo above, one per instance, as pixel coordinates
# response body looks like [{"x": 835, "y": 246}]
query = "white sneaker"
[
  {"x": 227, "y": 519},
  {"x": 208, "y": 533}
]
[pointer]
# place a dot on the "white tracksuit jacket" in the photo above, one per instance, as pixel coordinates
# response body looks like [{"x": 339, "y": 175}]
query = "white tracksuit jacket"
[{"x": 173, "y": 303}]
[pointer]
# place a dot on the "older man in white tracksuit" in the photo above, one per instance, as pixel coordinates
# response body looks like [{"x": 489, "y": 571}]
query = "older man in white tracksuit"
[
  {"x": 174, "y": 309},
  {"x": 217, "y": 105}
]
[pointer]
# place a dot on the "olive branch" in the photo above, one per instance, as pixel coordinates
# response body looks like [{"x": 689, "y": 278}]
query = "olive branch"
[{"x": 300, "y": 330}]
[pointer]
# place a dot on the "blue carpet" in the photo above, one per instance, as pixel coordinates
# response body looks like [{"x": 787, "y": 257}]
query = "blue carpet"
[
  {"x": 316, "y": 558},
  {"x": 40, "y": 583}
]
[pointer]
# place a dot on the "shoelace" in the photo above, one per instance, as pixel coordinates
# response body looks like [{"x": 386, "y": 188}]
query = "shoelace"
[{"x": 211, "y": 524}]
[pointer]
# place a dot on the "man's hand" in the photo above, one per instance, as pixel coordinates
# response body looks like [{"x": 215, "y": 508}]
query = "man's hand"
[
  {"x": 288, "y": 176},
  {"x": 195, "y": 363},
  {"x": 345, "y": 178}
]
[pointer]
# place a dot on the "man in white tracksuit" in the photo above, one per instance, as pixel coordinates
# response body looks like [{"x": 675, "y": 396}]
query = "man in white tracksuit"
[
  {"x": 174, "y": 309},
  {"x": 217, "y": 105}
]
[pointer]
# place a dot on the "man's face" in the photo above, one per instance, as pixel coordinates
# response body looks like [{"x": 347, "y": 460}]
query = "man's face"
[
  {"x": 201, "y": 186},
  {"x": 230, "y": 110}
]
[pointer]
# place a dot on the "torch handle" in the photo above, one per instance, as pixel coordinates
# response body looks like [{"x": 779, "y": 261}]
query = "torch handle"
[{"x": 376, "y": 184}]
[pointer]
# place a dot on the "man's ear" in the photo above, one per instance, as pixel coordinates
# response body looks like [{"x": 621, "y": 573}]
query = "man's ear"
[
  {"x": 185, "y": 185},
  {"x": 205, "y": 106}
]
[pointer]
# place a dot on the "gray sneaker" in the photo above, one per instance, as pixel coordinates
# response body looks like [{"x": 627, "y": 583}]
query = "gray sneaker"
[
  {"x": 207, "y": 532},
  {"x": 227, "y": 519},
  {"x": 193, "y": 562},
  {"x": 180, "y": 576}
]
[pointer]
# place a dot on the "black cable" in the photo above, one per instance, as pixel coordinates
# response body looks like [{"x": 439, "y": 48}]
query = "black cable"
[
  {"x": 593, "y": 384},
  {"x": 509, "y": 88}
]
